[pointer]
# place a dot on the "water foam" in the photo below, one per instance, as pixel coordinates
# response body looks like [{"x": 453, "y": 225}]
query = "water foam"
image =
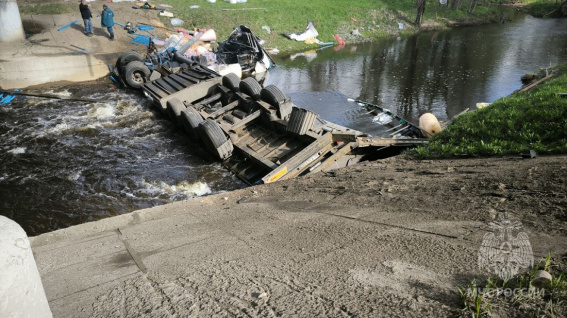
[
  {"x": 101, "y": 112},
  {"x": 181, "y": 190},
  {"x": 17, "y": 151}
]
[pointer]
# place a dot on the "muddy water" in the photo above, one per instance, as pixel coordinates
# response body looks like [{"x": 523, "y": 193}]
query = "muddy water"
[
  {"x": 439, "y": 72},
  {"x": 64, "y": 163}
]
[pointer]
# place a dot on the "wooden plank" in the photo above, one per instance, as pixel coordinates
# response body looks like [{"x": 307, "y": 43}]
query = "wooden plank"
[
  {"x": 527, "y": 88},
  {"x": 385, "y": 142},
  {"x": 254, "y": 156},
  {"x": 294, "y": 162},
  {"x": 345, "y": 149}
]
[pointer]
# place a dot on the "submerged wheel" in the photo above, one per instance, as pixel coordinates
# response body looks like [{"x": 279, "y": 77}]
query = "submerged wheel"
[
  {"x": 231, "y": 82},
  {"x": 190, "y": 119},
  {"x": 174, "y": 109},
  {"x": 136, "y": 74},
  {"x": 250, "y": 87},
  {"x": 214, "y": 139},
  {"x": 125, "y": 58}
]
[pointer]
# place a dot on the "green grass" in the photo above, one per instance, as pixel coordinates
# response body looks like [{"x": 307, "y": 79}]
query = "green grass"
[
  {"x": 534, "y": 120},
  {"x": 522, "y": 300},
  {"x": 51, "y": 8},
  {"x": 374, "y": 18},
  {"x": 544, "y": 9}
]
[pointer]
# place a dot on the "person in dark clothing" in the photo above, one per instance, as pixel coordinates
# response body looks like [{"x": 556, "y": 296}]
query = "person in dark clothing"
[
  {"x": 107, "y": 20},
  {"x": 86, "y": 15}
]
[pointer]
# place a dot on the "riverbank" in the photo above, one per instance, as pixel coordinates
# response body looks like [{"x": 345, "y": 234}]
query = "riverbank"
[
  {"x": 367, "y": 21},
  {"x": 531, "y": 119},
  {"x": 391, "y": 238}
]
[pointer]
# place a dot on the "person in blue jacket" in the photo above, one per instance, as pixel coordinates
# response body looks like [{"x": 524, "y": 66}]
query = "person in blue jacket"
[{"x": 107, "y": 20}]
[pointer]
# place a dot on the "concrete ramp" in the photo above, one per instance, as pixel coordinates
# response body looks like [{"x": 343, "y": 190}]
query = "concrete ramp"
[{"x": 30, "y": 70}]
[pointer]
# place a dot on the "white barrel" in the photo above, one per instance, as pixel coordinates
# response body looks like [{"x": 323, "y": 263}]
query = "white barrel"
[
  {"x": 21, "y": 290},
  {"x": 11, "y": 28}
]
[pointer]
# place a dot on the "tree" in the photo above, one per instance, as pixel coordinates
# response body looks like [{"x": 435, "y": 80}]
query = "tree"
[
  {"x": 473, "y": 5},
  {"x": 420, "y": 10}
]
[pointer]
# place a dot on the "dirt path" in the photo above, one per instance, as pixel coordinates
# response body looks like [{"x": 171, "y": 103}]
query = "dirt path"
[{"x": 391, "y": 238}]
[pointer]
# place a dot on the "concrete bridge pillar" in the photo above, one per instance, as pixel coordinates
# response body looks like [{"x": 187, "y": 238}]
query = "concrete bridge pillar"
[
  {"x": 11, "y": 28},
  {"x": 21, "y": 290}
]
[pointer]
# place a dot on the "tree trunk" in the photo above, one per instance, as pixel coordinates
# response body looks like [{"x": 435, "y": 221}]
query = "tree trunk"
[
  {"x": 456, "y": 4},
  {"x": 420, "y": 10},
  {"x": 473, "y": 5}
]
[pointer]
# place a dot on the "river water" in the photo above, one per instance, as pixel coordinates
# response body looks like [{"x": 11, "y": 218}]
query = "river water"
[{"x": 64, "y": 163}]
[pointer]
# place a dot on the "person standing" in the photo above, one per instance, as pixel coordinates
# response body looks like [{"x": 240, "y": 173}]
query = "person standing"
[
  {"x": 107, "y": 20},
  {"x": 86, "y": 15}
]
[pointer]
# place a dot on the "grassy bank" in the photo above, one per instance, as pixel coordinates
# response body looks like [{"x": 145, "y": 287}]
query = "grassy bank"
[
  {"x": 536, "y": 119},
  {"x": 545, "y": 9},
  {"x": 372, "y": 18}
]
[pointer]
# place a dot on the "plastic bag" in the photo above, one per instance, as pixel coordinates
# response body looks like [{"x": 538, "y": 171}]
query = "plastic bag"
[
  {"x": 382, "y": 119},
  {"x": 176, "y": 21}
]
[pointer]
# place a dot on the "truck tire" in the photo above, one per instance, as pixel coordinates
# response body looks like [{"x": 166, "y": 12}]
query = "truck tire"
[
  {"x": 215, "y": 140},
  {"x": 136, "y": 74},
  {"x": 272, "y": 95},
  {"x": 250, "y": 87},
  {"x": 174, "y": 109},
  {"x": 300, "y": 121},
  {"x": 125, "y": 58},
  {"x": 190, "y": 119},
  {"x": 231, "y": 82}
]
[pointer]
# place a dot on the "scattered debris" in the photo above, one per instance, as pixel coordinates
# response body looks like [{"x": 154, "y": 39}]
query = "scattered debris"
[
  {"x": 542, "y": 279},
  {"x": 68, "y": 25},
  {"x": 309, "y": 33},
  {"x": 531, "y": 155},
  {"x": 429, "y": 124},
  {"x": 166, "y": 14},
  {"x": 339, "y": 39},
  {"x": 400, "y": 25},
  {"x": 274, "y": 51},
  {"x": 244, "y": 48},
  {"x": 355, "y": 32},
  {"x": 21, "y": 93},
  {"x": 353, "y": 19},
  {"x": 481, "y": 105},
  {"x": 81, "y": 50},
  {"x": 176, "y": 22},
  {"x": 194, "y": 7},
  {"x": 267, "y": 28}
]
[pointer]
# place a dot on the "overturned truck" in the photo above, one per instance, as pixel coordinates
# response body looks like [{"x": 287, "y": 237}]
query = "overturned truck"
[{"x": 257, "y": 132}]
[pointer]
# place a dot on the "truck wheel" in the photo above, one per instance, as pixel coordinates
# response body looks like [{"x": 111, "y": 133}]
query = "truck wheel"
[
  {"x": 127, "y": 57},
  {"x": 174, "y": 109},
  {"x": 214, "y": 139},
  {"x": 300, "y": 121},
  {"x": 231, "y": 82},
  {"x": 190, "y": 119},
  {"x": 272, "y": 95},
  {"x": 136, "y": 74},
  {"x": 250, "y": 87}
]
